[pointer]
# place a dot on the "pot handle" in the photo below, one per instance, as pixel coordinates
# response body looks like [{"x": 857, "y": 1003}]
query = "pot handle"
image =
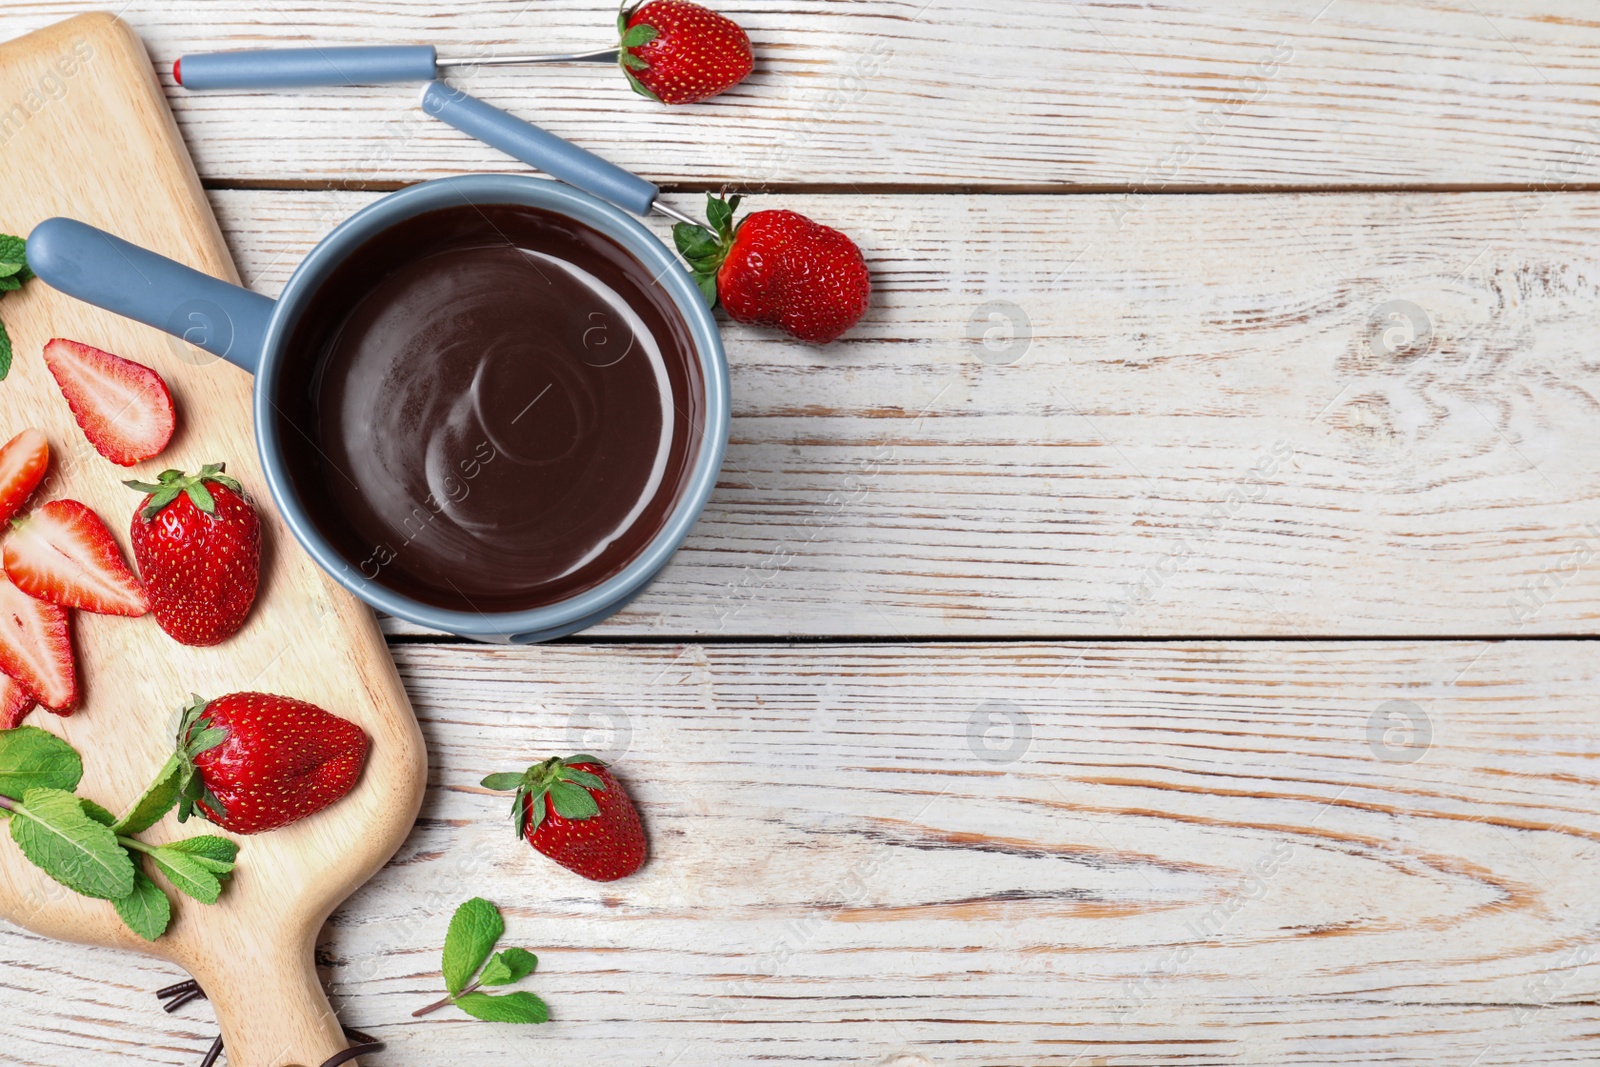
[
  {"x": 539, "y": 148},
  {"x": 108, "y": 272}
]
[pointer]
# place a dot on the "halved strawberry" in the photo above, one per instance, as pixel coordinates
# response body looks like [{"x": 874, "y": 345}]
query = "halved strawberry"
[
  {"x": 63, "y": 553},
  {"x": 36, "y": 648},
  {"x": 15, "y": 702},
  {"x": 22, "y": 463},
  {"x": 124, "y": 407}
]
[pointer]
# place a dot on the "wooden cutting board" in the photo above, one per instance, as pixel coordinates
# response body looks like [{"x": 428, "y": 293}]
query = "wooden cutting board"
[{"x": 85, "y": 132}]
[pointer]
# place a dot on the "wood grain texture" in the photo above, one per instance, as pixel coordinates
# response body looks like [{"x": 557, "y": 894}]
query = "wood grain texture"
[
  {"x": 305, "y": 638},
  {"x": 1149, "y": 96},
  {"x": 1193, "y": 853},
  {"x": 1216, "y": 427}
]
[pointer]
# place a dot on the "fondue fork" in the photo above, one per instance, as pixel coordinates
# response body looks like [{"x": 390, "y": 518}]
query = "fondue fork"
[
  {"x": 295, "y": 68},
  {"x": 545, "y": 151}
]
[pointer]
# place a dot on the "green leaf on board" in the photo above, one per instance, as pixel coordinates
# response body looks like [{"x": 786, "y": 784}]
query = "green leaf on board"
[
  {"x": 31, "y": 758},
  {"x": 157, "y": 800},
  {"x": 216, "y": 854},
  {"x": 96, "y": 812},
  {"x": 57, "y": 836},
  {"x": 146, "y": 910},
  {"x": 189, "y": 874}
]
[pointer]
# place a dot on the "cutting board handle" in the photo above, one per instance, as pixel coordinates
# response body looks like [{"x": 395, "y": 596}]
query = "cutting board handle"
[
  {"x": 108, "y": 272},
  {"x": 270, "y": 1004}
]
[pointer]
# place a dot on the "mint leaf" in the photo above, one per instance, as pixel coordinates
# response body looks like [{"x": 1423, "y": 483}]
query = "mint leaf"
[
  {"x": 189, "y": 874},
  {"x": 96, "y": 812},
  {"x": 157, "y": 800},
  {"x": 8, "y": 269},
  {"x": 13, "y": 250},
  {"x": 216, "y": 854},
  {"x": 31, "y": 758},
  {"x": 8, "y": 283},
  {"x": 505, "y": 1008},
  {"x": 57, "y": 836},
  {"x": 146, "y": 910},
  {"x": 5, "y": 352},
  {"x": 573, "y": 801},
  {"x": 512, "y": 965},
  {"x": 474, "y": 929}
]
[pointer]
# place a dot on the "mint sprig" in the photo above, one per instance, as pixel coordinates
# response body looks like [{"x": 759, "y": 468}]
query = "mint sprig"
[
  {"x": 14, "y": 271},
  {"x": 475, "y": 929},
  {"x": 84, "y": 847}
]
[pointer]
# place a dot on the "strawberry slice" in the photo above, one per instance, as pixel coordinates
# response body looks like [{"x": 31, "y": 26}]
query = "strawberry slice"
[
  {"x": 22, "y": 463},
  {"x": 124, "y": 407},
  {"x": 15, "y": 702},
  {"x": 63, "y": 553},
  {"x": 36, "y": 648}
]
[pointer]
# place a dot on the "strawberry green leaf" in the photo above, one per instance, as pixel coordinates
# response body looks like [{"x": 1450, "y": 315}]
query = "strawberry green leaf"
[
  {"x": 146, "y": 910},
  {"x": 639, "y": 86},
  {"x": 503, "y": 781},
  {"x": 641, "y": 34},
  {"x": 694, "y": 242},
  {"x": 158, "y": 799},
  {"x": 584, "y": 778},
  {"x": 202, "y": 497},
  {"x": 474, "y": 929},
  {"x": 505, "y": 1008},
  {"x": 536, "y": 814},
  {"x": 719, "y": 212},
  {"x": 512, "y": 965},
  {"x": 707, "y": 284},
  {"x": 633, "y": 62},
  {"x": 33, "y": 758},
  {"x": 573, "y": 801},
  {"x": 53, "y": 831}
]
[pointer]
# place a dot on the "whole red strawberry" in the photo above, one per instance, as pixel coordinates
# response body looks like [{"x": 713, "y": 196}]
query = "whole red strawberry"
[
  {"x": 680, "y": 53},
  {"x": 574, "y": 811},
  {"x": 252, "y": 762},
  {"x": 778, "y": 268},
  {"x": 197, "y": 541}
]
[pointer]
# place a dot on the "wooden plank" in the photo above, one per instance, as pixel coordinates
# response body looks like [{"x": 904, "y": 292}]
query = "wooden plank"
[
  {"x": 1176, "y": 94},
  {"x": 1208, "y": 853},
  {"x": 1215, "y": 429}
]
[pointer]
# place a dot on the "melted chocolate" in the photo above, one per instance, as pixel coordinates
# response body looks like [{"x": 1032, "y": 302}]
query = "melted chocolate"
[{"x": 495, "y": 408}]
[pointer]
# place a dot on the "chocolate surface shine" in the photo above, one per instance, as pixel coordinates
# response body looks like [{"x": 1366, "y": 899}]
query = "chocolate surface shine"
[{"x": 495, "y": 408}]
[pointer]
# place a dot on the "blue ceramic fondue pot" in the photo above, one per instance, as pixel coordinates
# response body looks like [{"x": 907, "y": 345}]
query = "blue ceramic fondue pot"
[{"x": 254, "y": 332}]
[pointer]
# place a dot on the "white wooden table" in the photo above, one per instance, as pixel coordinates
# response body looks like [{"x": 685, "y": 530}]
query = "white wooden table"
[{"x": 1160, "y": 634}]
